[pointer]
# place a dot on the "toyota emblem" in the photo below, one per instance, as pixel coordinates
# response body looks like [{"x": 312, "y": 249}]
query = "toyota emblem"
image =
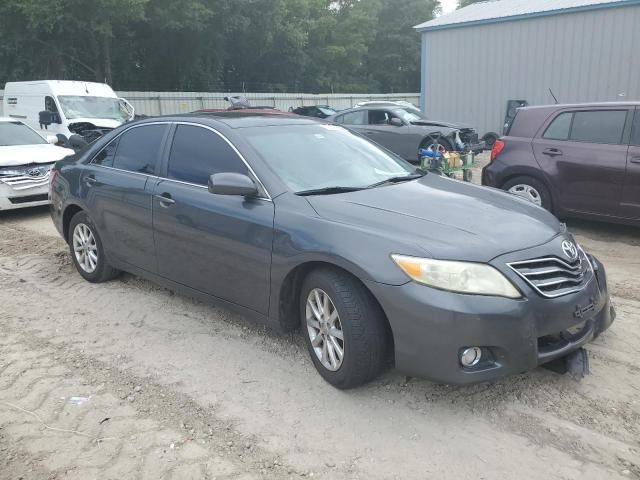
[
  {"x": 34, "y": 172},
  {"x": 570, "y": 249}
]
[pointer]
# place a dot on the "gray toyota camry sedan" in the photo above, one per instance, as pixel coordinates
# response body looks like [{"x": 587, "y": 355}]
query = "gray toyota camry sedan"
[{"x": 304, "y": 224}]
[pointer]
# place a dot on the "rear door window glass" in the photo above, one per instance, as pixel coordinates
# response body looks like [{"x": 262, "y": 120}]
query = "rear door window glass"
[
  {"x": 355, "y": 118},
  {"x": 601, "y": 126},
  {"x": 559, "y": 128},
  {"x": 139, "y": 149},
  {"x": 105, "y": 157},
  {"x": 197, "y": 153}
]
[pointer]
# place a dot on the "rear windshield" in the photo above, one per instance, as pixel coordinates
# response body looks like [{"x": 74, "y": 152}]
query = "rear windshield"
[{"x": 17, "y": 133}]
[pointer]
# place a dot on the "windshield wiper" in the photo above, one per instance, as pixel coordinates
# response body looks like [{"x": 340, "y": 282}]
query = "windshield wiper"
[
  {"x": 403, "y": 178},
  {"x": 328, "y": 191}
]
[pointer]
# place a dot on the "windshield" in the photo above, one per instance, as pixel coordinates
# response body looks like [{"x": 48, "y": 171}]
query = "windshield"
[
  {"x": 310, "y": 157},
  {"x": 409, "y": 114},
  {"x": 93, "y": 107},
  {"x": 17, "y": 133}
]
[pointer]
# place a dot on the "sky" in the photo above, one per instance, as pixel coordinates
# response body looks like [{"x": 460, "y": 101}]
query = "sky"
[{"x": 448, "y": 6}]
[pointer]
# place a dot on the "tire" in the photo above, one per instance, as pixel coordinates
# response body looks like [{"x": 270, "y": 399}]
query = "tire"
[
  {"x": 427, "y": 142},
  {"x": 530, "y": 188},
  {"x": 360, "y": 321},
  {"x": 93, "y": 268},
  {"x": 489, "y": 140}
]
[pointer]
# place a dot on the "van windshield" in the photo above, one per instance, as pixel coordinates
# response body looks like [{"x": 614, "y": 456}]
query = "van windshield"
[
  {"x": 17, "y": 133},
  {"x": 92, "y": 107}
]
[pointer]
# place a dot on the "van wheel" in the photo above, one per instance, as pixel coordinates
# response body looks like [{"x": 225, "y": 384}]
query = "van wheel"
[
  {"x": 87, "y": 252},
  {"x": 344, "y": 328},
  {"x": 531, "y": 189}
]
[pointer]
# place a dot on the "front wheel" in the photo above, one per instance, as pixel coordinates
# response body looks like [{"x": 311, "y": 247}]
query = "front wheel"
[
  {"x": 344, "y": 328},
  {"x": 87, "y": 251},
  {"x": 530, "y": 189}
]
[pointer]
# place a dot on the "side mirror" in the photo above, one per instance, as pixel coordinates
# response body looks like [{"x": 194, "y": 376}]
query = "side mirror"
[
  {"x": 52, "y": 139},
  {"x": 396, "y": 122},
  {"x": 127, "y": 108},
  {"x": 46, "y": 118},
  {"x": 232, "y": 184}
]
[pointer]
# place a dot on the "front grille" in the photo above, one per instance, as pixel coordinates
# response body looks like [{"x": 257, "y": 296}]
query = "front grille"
[
  {"x": 24, "y": 182},
  {"x": 43, "y": 197},
  {"x": 469, "y": 136},
  {"x": 553, "y": 277}
]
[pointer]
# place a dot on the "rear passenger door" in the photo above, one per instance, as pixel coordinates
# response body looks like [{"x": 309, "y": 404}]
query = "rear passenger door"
[
  {"x": 396, "y": 138},
  {"x": 217, "y": 244},
  {"x": 630, "y": 201},
  {"x": 118, "y": 186},
  {"x": 584, "y": 154}
]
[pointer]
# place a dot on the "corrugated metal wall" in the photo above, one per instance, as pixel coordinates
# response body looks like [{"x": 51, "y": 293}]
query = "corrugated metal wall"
[
  {"x": 472, "y": 71},
  {"x": 163, "y": 103}
]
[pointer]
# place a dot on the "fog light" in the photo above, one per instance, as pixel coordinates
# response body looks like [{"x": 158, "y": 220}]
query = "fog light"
[{"x": 470, "y": 356}]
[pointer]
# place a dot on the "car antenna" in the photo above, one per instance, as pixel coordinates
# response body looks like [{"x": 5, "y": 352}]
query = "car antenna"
[{"x": 554, "y": 97}]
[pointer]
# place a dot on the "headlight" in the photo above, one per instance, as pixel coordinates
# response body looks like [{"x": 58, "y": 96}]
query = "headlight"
[{"x": 462, "y": 277}]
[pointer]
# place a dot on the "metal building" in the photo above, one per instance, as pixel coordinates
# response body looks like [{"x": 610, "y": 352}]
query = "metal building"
[{"x": 480, "y": 56}]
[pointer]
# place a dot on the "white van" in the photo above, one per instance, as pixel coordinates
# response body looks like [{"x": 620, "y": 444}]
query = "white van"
[{"x": 65, "y": 107}]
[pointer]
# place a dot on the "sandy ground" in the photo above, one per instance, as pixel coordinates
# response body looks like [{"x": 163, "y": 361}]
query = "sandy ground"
[{"x": 127, "y": 380}]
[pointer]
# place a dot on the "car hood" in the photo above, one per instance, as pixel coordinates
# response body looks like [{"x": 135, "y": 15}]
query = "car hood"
[
  {"x": 438, "y": 123},
  {"x": 98, "y": 122},
  {"x": 12, "y": 156},
  {"x": 444, "y": 218}
]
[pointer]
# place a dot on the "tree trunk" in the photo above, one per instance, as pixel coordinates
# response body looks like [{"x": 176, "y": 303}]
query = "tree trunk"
[{"x": 106, "y": 58}]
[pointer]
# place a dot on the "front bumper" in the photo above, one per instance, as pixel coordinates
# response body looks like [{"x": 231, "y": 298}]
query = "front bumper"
[
  {"x": 23, "y": 191},
  {"x": 431, "y": 327}
]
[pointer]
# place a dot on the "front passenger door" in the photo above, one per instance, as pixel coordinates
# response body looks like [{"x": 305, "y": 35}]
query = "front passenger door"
[{"x": 217, "y": 244}]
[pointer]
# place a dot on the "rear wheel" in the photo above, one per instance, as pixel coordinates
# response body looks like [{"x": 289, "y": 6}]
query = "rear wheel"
[
  {"x": 530, "y": 189},
  {"x": 344, "y": 328},
  {"x": 87, "y": 251}
]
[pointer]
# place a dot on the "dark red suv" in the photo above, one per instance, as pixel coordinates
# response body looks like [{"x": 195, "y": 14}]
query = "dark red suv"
[{"x": 575, "y": 160}]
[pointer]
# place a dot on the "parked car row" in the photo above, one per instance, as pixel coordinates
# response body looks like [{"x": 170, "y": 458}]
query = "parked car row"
[{"x": 303, "y": 223}]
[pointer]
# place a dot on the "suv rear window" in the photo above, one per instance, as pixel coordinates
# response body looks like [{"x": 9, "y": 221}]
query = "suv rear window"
[
  {"x": 604, "y": 126},
  {"x": 597, "y": 126}
]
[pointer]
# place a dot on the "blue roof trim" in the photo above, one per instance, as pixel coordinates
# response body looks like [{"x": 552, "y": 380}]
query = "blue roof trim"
[{"x": 546, "y": 13}]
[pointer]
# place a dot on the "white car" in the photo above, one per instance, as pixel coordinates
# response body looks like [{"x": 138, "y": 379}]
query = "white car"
[{"x": 26, "y": 159}]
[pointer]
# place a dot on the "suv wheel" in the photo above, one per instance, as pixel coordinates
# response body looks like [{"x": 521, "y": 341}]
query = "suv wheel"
[
  {"x": 531, "y": 189},
  {"x": 344, "y": 328},
  {"x": 87, "y": 251}
]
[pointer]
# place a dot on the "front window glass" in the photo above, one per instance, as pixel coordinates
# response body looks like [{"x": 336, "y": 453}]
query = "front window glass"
[
  {"x": 17, "y": 133},
  {"x": 309, "y": 157},
  {"x": 93, "y": 107},
  {"x": 197, "y": 153}
]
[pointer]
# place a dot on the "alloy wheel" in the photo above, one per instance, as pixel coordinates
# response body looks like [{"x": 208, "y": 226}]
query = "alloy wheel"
[
  {"x": 85, "y": 248},
  {"x": 325, "y": 329},
  {"x": 527, "y": 192}
]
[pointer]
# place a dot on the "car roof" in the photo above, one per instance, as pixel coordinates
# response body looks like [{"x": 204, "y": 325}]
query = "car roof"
[
  {"x": 581, "y": 105},
  {"x": 239, "y": 118}
]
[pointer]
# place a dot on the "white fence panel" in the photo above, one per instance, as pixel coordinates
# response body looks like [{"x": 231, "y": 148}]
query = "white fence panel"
[{"x": 166, "y": 103}]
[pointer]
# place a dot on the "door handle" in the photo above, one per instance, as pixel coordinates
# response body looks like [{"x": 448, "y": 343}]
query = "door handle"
[
  {"x": 90, "y": 180},
  {"x": 165, "y": 199},
  {"x": 552, "y": 152},
  {"x": 635, "y": 159}
]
